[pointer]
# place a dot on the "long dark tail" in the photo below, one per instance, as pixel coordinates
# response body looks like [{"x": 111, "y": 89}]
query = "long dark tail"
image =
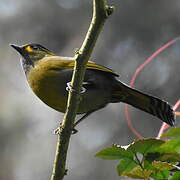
[{"x": 145, "y": 102}]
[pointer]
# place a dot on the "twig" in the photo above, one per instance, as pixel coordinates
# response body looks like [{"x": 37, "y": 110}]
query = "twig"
[{"x": 100, "y": 13}]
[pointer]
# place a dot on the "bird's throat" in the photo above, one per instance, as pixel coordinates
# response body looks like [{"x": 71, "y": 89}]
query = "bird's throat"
[{"x": 27, "y": 64}]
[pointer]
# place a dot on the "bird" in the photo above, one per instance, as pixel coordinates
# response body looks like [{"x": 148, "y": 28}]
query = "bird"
[{"x": 49, "y": 77}]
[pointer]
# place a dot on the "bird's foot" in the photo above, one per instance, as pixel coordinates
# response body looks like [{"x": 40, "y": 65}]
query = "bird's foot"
[
  {"x": 69, "y": 88},
  {"x": 74, "y": 131},
  {"x": 65, "y": 172},
  {"x": 57, "y": 131}
]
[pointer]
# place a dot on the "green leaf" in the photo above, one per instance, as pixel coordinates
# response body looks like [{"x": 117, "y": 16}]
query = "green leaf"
[
  {"x": 144, "y": 146},
  {"x": 169, "y": 157},
  {"x": 125, "y": 165},
  {"x": 171, "y": 146},
  {"x": 160, "y": 170},
  {"x": 148, "y": 165},
  {"x": 162, "y": 165},
  {"x": 172, "y": 133},
  {"x": 168, "y": 151},
  {"x": 152, "y": 156},
  {"x": 114, "y": 153},
  {"x": 162, "y": 175},
  {"x": 176, "y": 176},
  {"x": 137, "y": 172}
]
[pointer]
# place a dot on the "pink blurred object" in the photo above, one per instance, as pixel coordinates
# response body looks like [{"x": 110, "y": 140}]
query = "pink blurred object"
[{"x": 132, "y": 82}]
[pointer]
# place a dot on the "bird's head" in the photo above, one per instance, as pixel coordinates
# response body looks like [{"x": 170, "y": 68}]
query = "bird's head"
[{"x": 31, "y": 54}]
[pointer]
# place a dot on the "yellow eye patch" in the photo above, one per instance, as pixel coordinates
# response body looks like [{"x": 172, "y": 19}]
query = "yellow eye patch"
[{"x": 29, "y": 49}]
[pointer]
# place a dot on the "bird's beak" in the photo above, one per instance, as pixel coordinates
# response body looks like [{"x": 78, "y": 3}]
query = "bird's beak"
[
  {"x": 18, "y": 49},
  {"x": 25, "y": 57}
]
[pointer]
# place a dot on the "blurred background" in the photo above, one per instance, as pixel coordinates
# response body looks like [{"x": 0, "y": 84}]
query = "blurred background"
[{"x": 131, "y": 34}]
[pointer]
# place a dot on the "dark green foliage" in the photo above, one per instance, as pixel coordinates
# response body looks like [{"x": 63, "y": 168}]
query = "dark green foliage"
[{"x": 148, "y": 158}]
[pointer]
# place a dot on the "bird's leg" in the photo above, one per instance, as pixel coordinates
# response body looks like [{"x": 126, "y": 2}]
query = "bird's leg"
[
  {"x": 58, "y": 130},
  {"x": 74, "y": 131},
  {"x": 83, "y": 90},
  {"x": 69, "y": 88}
]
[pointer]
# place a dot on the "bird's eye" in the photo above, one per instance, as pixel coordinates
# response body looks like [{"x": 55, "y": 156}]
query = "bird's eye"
[{"x": 35, "y": 47}]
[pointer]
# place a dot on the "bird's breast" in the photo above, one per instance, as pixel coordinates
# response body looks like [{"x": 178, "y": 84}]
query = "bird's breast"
[{"x": 50, "y": 86}]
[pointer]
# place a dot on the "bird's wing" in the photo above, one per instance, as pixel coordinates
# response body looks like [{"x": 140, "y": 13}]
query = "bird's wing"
[
  {"x": 68, "y": 63},
  {"x": 93, "y": 65}
]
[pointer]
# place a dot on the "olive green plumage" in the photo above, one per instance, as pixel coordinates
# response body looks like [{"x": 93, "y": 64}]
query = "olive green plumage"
[{"x": 48, "y": 75}]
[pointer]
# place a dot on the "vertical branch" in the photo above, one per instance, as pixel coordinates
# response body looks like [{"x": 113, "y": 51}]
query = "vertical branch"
[{"x": 100, "y": 13}]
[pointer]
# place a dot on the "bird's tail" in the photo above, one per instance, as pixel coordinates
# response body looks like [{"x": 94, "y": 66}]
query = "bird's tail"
[{"x": 145, "y": 102}]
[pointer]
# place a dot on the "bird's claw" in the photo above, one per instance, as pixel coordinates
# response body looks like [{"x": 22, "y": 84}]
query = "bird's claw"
[
  {"x": 57, "y": 131},
  {"x": 69, "y": 88},
  {"x": 74, "y": 131}
]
